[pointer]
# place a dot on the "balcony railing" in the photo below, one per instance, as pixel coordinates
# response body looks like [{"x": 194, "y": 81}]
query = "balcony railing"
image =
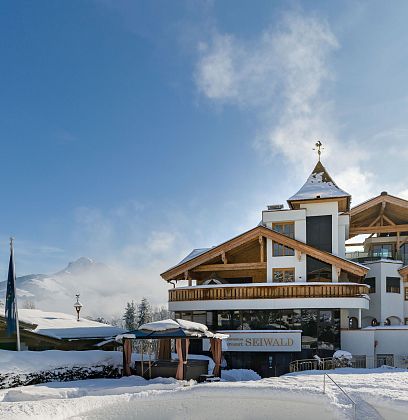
[
  {"x": 268, "y": 291},
  {"x": 360, "y": 257}
]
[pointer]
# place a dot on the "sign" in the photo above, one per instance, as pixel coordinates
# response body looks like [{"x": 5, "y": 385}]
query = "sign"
[{"x": 265, "y": 340}]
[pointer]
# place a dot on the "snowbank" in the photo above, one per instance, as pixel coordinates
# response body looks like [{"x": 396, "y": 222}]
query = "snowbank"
[
  {"x": 35, "y": 361},
  {"x": 235, "y": 375},
  {"x": 377, "y": 392}
]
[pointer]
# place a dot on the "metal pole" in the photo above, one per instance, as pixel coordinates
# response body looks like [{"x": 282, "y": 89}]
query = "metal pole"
[
  {"x": 15, "y": 295},
  {"x": 141, "y": 359}
]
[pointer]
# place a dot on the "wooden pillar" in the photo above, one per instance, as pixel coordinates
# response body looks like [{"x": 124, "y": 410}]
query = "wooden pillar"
[
  {"x": 261, "y": 248},
  {"x": 359, "y": 318},
  {"x": 187, "y": 277}
]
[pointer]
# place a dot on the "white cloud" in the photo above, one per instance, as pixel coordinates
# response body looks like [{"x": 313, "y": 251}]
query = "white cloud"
[
  {"x": 283, "y": 77},
  {"x": 160, "y": 241}
]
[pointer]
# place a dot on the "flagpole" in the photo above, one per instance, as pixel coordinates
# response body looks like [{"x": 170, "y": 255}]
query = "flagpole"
[{"x": 15, "y": 295}]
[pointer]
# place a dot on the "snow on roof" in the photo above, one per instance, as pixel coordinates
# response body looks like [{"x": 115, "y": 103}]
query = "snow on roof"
[
  {"x": 194, "y": 253},
  {"x": 319, "y": 185},
  {"x": 60, "y": 325}
]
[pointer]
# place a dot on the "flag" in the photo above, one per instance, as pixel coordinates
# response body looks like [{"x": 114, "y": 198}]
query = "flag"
[{"x": 11, "y": 299}]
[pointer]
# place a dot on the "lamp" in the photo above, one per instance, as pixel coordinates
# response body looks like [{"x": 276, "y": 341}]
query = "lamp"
[{"x": 77, "y": 306}]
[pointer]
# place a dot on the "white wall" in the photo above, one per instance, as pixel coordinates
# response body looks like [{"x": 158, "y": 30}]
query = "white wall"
[
  {"x": 339, "y": 232},
  {"x": 374, "y": 341},
  {"x": 384, "y": 305},
  {"x": 285, "y": 262},
  {"x": 344, "y": 222},
  {"x": 358, "y": 342},
  {"x": 299, "y": 219}
]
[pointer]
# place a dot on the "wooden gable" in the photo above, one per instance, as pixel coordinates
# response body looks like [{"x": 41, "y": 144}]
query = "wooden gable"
[
  {"x": 248, "y": 252},
  {"x": 382, "y": 214}
]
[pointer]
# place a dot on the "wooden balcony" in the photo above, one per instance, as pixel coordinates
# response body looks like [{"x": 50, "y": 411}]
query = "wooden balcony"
[{"x": 268, "y": 291}]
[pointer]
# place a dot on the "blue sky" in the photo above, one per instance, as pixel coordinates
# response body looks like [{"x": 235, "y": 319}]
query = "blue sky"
[{"x": 133, "y": 131}]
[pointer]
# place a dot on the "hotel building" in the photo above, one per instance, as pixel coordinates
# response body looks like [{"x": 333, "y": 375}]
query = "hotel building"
[{"x": 288, "y": 289}]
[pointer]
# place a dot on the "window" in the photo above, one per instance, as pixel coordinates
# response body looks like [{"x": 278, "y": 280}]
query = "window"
[
  {"x": 282, "y": 250},
  {"x": 404, "y": 253},
  {"x": 393, "y": 285},
  {"x": 286, "y": 228},
  {"x": 385, "y": 359},
  {"x": 283, "y": 275},
  {"x": 319, "y": 232},
  {"x": 382, "y": 250},
  {"x": 353, "y": 323},
  {"x": 371, "y": 282},
  {"x": 406, "y": 321},
  {"x": 317, "y": 270},
  {"x": 406, "y": 293}
]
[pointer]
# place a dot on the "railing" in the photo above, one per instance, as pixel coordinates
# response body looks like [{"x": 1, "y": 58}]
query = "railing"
[
  {"x": 312, "y": 364},
  {"x": 353, "y": 404},
  {"x": 268, "y": 291},
  {"x": 360, "y": 256},
  {"x": 357, "y": 362}
]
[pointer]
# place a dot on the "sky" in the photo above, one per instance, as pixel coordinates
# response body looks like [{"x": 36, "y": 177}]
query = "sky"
[{"x": 134, "y": 131}]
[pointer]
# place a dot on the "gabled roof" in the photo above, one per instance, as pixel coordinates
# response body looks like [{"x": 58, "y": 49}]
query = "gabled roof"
[
  {"x": 319, "y": 185},
  {"x": 194, "y": 253},
  {"x": 266, "y": 232},
  {"x": 384, "y": 213}
]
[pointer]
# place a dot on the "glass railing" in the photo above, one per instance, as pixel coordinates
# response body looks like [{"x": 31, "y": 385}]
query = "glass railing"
[{"x": 374, "y": 256}]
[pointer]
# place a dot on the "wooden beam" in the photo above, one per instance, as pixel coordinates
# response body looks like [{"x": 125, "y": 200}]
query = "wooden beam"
[
  {"x": 224, "y": 258},
  {"x": 261, "y": 248},
  {"x": 390, "y": 199},
  {"x": 374, "y": 222},
  {"x": 231, "y": 267},
  {"x": 388, "y": 220},
  {"x": 378, "y": 229},
  {"x": 327, "y": 257}
]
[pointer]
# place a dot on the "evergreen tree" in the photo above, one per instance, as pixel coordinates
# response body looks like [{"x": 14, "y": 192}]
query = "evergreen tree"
[
  {"x": 144, "y": 312},
  {"x": 129, "y": 317},
  {"x": 161, "y": 312}
]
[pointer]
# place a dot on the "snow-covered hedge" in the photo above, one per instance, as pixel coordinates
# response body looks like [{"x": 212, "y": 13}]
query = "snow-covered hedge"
[{"x": 34, "y": 367}]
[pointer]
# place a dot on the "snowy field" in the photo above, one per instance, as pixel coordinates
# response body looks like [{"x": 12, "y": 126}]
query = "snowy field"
[{"x": 379, "y": 393}]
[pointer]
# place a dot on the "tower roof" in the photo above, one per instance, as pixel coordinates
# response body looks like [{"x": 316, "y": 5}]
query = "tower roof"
[{"x": 320, "y": 185}]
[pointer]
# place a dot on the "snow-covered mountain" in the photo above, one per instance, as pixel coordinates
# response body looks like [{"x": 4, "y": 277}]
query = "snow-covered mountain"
[{"x": 56, "y": 292}]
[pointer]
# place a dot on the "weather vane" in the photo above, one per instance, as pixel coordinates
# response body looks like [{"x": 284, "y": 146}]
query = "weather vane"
[{"x": 319, "y": 146}]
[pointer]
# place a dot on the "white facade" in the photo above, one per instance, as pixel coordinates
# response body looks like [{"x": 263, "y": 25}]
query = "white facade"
[
  {"x": 385, "y": 304},
  {"x": 377, "y": 342},
  {"x": 340, "y": 224}
]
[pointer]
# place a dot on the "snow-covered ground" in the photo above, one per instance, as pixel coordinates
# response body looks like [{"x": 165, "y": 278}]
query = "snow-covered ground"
[{"x": 379, "y": 393}]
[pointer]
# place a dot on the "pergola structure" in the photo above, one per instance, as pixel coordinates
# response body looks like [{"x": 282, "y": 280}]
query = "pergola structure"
[{"x": 164, "y": 331}]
